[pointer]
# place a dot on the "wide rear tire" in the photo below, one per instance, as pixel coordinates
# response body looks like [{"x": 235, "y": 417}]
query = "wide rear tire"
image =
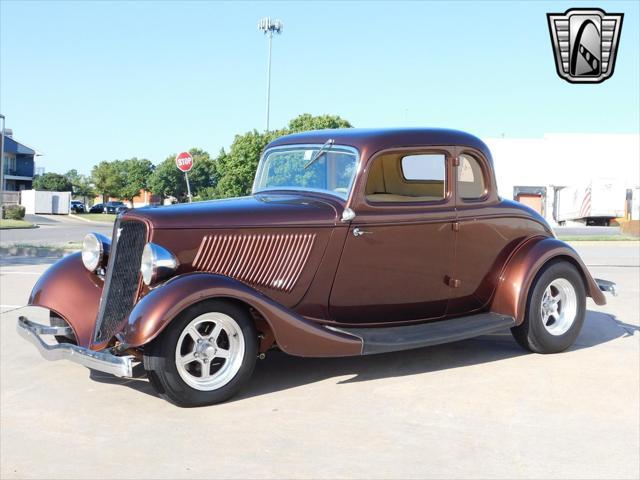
[
  {"x": 556, "y": 309},
  {"x": 205, "y": 356}
]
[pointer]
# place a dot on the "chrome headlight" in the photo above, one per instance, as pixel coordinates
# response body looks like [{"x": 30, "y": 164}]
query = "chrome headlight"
[
  {"x": 95, "y": 248},
  {"x": 157, "y": 263}
]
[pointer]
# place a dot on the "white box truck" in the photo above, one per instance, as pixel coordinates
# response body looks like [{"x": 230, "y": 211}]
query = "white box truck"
[{"x": 594, "y": 203}]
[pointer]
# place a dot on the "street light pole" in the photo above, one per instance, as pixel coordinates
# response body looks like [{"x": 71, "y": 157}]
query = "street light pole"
[
  {"x": 270, "y": 35},
  {"x": 269, "y": 27}
]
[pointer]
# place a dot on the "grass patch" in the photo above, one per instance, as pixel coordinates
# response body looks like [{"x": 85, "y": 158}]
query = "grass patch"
[
  {"x": 597, "y": 238},
  {"x": 96, "y": 217},
  {"x": 9, "y": 224}
]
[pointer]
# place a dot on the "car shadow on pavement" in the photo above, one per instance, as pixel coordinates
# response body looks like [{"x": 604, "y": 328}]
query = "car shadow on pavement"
[{"x": 280, "y": 371}]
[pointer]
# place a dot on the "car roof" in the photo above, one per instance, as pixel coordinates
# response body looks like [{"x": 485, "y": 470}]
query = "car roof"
[{"x": 375, "y": 139}]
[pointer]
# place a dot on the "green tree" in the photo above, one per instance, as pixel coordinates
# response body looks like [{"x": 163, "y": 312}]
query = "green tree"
[
  {"x": 135, "y": 174},
  {"x": 53, "y": 182},
  {"x": 81, "y": 185},
  {"x": 236, "y": 169},
  {"x": 203, "y": 174},
  {"x": 167, "y": 180},
  {"x": 306, "y": 122},
  {"x": 107, "y": 178}
]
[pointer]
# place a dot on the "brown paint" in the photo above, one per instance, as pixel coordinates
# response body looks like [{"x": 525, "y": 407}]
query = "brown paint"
[
  {"x": 293, "y": 333},
  {"x": 521, "y": 269},
  {"x": 69, "y": 290}
]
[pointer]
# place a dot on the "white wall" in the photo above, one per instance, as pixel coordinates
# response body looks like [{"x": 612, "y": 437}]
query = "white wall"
[
  {"x": 565, "y": 159},
  {"x": 35, "y": 201}
]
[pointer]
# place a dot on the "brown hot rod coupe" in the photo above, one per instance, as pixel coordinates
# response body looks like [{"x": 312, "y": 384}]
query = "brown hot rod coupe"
[{"x": 353, "y": 242}]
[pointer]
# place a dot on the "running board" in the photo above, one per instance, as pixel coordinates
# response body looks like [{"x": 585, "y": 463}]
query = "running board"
[{"x": 391, "y": 339}]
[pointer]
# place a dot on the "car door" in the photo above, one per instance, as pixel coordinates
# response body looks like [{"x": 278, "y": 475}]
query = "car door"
[
  {"x": 485, "y": 237},
  {"x": 398, "y": 256}
]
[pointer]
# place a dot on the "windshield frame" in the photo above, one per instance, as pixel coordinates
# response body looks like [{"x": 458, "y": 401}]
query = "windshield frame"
[{"x": 302, "y": 146}]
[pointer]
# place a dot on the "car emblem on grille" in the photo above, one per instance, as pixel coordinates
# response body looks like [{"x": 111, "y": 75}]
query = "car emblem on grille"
[
  {"x": 118, "y": 233},
  {"x": 585, "y": 43}
]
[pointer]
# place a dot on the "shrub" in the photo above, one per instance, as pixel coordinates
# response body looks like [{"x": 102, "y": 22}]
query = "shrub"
[{"x": 13, "y": 212}]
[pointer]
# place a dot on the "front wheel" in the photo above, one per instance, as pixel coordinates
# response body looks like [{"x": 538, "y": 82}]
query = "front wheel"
[
  {"x": 555, "y": 310},
  {"x": 204, "y": 356}
]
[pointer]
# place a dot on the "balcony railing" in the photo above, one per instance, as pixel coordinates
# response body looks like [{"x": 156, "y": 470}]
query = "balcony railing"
[{"x": 18, "y": 172}]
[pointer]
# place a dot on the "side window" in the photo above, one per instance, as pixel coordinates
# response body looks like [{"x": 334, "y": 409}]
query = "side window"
[
  {"x": 470, "y": 178},
  {"x": 397, "y": 177},
  {"x": 424, "y": 168}
]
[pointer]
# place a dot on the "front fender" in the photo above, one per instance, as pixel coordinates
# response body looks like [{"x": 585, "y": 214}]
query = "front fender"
[
  {"x": 68, "y": 289},
  {"x": 294, "y": 334},
  {"x": 517, "y": 277}
]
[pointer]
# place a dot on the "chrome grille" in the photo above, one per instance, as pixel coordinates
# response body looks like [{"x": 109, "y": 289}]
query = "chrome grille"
[{"x": 122, "y": 279}]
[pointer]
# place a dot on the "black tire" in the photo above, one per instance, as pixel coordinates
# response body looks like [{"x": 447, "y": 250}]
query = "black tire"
[
  {"x": 160, "y": 363},
  {"x": 532, "y": 334}
]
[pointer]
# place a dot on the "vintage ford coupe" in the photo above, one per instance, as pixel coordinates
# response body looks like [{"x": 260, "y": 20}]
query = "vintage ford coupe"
[{"x": 353, "y": 242}]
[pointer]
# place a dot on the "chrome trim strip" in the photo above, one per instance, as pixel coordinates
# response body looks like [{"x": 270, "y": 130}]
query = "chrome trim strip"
[
  {"x": 101, "y": 360},
  {"x": 607, "y": 286}
]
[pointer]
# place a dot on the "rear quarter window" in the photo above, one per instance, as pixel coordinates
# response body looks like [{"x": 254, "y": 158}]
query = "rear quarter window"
[{"x": 471, "y": 184}]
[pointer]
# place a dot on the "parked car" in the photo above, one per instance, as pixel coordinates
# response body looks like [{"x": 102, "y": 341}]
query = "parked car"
[
  {"x": 77, "y": 206},
  {"x": 354, "y": 242},
  {"x": 115, "y": 207},
  {"x": 97, "y": 208}
]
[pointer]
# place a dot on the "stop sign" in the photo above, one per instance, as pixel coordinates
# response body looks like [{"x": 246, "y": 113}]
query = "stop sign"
[{"x": 184, "y": 161}]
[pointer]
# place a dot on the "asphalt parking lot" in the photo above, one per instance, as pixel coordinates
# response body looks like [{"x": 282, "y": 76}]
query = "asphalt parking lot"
[
  {"x": 53, "y": 230},
  {"x": 473, "y": 409}
]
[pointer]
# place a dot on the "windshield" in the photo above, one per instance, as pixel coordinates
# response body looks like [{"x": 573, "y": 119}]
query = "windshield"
[{"x": 301, "y": 168}]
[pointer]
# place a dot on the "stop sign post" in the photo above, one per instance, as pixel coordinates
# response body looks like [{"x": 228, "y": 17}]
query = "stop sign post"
[{"x": 184, "y": 162}]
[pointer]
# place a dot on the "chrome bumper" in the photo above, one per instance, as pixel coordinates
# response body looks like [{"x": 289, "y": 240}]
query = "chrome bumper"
[
  {"x": 102, "y": 361},
  {"x": 607, "y": 286}
]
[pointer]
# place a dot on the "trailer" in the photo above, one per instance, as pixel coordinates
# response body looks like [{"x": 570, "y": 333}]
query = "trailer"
[
  {"x": 37, "y": 201},
  {"x": 595, "y": 203}
]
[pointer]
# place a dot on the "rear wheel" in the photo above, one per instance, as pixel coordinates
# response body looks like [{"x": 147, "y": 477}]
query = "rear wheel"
[
  {"x": 555, "y": 310},
  {"x": 204, "y": 356}
]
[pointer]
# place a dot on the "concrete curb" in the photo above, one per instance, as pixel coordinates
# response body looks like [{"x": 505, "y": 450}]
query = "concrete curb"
[
  {"x": 33, "y": 225},
  {"x": 89, "y": 221}
]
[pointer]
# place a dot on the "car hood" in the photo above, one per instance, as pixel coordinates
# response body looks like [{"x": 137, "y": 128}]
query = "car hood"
[{"x": 269, "y": 210}]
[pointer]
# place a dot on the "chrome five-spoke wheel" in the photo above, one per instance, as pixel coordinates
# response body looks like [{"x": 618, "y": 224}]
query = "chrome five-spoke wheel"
[
  {"x": 209, "y": 351},
  {"x": 559, "y": 306},
  {"x": 205, "y": 355},
  {"x": 555, "y": 309}
]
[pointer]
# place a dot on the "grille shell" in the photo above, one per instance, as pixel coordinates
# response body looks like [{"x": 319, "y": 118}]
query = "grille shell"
[
  {"x": 122, "y": 281},
  {"x": 270, "y": 260}
]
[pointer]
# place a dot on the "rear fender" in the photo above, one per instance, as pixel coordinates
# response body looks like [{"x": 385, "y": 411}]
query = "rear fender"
[
  {"x": 69, "y": 290},
  {"x": 517, "y": 276},
  {"x": 293, "y": 333}
]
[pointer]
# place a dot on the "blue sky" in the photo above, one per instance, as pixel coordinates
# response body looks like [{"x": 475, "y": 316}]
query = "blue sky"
[{"x": 89, "y": 81}]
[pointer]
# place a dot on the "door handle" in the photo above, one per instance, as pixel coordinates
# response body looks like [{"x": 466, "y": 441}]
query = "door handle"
[{"x": 358, "y": 232}]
